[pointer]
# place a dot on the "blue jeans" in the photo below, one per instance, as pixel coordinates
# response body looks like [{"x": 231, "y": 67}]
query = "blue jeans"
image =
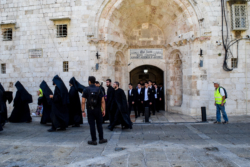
[{"x": 219, "y": 109}]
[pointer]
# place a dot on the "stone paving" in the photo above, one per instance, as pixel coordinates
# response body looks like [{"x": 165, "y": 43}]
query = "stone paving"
[{"x": 146, "y": 145}]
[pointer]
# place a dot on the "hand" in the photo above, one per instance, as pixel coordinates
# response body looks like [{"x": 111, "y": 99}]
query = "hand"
[
  {"x": 133, "y": 102},
  {"x": 215, "y": 104},
  {"x": 103, "y": 113},
  {"x": 84, "y": 114},
  {"x": 160, "y": 99},
  {"x": 141, "y": 102},
  {"x": 51, "y": 96},
  {"x": 222, "y": 104},
  {"x": 150, "y": 103}
]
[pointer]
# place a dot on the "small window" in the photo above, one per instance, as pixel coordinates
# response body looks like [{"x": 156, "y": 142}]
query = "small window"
[
  {"x": 62, "y": 31},
  {"x": 234, "y": 62},
  {"x": 7, "y": 34},
  {"x": 3, "y": 68},
  {"x": 65, "y": 66},
  {"x": 239, "y": 17}
]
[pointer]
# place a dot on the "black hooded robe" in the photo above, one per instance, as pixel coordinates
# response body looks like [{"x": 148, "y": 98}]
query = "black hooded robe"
[
  {"x": 121, "y": 109},
  {"x": 21, "y": 111},
  {"x": 75, "y": 111},
  {"x": 109, "y": 105},
  {"x": 46, "y": 101},
  {"x": 60, "y": 111},
  {"x": 4, "y": 96}
]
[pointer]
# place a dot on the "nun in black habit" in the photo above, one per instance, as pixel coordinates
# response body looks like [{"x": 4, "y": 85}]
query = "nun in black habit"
[
  {"x": 122, "y": 112},
  {"x": 60, "y": 101},
  {"x": 46, "y": 102},
  {"x": 4, "y": 96},
  {"x": 75, "y": 111},
  {"x": 21, "y": 111}
]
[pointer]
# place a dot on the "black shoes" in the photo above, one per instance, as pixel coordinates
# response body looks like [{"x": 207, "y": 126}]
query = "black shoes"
[
  {"x": 225, "y": 122},
  {"x": 76, "y": 125},
  {"x": 92, "y": 143},
  {"x": 103, "y": 141},
  {"x": 216, "y": 122},
  {"x": 52, "y": 130}
]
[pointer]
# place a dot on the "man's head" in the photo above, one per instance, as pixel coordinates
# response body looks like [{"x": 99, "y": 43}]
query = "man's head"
[
  {"x": 160, "y": 85},
  {"x": 146, "y": 84},
  {"x": 149, "y": 83},
  {"x": 108, "y": 82},
  {"x": 155, "y": 86},
  {"x": 97, "y": 83},
  {"x": 216, "y": 84},
  {"x": 130, "y": 86},
  {"x": 139, "y": 85},
  {"x": 154, "y": 83},
  {"x": 91, "y": 80},
  {"x": 116, "y": 85}
]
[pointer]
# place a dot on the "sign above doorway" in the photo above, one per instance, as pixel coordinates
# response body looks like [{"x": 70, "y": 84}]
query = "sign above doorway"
[{"x": 146, "y": 53}]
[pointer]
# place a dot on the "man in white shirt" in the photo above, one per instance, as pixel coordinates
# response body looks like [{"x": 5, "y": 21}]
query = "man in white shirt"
[
  {"x": 146, "y": 97},
  {"x": 131, "y": 98},
  {"x": 152, "y": 93},
  {"x": 157, "y": 97},
  {"x": 138, "y": 108}
]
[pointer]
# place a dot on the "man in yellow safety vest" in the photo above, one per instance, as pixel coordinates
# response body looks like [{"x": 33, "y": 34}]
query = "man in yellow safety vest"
[{"x": 220, "y": 100}]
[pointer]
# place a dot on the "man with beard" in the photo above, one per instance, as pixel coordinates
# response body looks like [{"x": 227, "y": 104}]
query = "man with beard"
[
  {"x": 21, "y": 111},
  {"x": 95, "y": 101},
  {"x": 4, "y": 96},
  {"x": 152, "y": 93},
  {"x": 60, "y": 102},
  {"x": 110, "y": 113},
  {"x": 75, "y": 111},
  {"x": 46, "y": 102},
  {"x": 122, "y": 113}
]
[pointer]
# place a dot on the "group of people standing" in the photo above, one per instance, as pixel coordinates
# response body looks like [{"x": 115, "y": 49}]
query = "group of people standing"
[{"x": 147, "y": 94}]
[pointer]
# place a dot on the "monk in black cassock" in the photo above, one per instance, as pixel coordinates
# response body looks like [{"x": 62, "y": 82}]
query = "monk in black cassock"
[
  {"x": 60, "y": 110},
  {"x": 4, "y": 96},
  {"x": 46, "y": 101},
  {"x": 122, "y": 112},
  {"x": 21, "y": 111},
  {"x": 75, "y": 111}
]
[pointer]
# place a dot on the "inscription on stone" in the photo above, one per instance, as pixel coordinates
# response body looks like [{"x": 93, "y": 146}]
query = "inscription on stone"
[
  {"x": 146, "y": 53},
  {"x": 35, "y": 53}
]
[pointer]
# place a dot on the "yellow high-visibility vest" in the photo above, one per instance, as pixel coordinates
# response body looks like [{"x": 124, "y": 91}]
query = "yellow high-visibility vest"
[{"x": 218, "y": 97}]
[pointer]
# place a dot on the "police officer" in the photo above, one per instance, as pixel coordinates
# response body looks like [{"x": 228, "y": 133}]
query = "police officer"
[{"x": 96, "y": 110}]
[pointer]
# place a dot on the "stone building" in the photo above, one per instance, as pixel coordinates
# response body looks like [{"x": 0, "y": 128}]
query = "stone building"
[{"x": 42, "y": 38}]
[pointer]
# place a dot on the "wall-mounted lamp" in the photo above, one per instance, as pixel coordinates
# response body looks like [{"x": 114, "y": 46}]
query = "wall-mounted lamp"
[
  {"x": 97, "y": 55},
  {"x": 201, "y": 60},
  {"x": 97, "y": 66},
  {"x": 201, "y": 52},
  {"x": 145, "y": 70}
]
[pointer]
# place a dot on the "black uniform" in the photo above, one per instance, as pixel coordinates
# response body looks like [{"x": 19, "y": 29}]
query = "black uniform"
[
  {"x": 110, "y": 111},
  {"x": 146, "y": 103},
  {"x": 157, "y": 96},
  {"x": 139, "y": 105},
  {"x": 46, "y": 101},
  {"x": 132, "y": 98},
  {"x": 162, "y": 98},
  {"x": 75, "y": 111},
  {"x": 152, "y": 94},
  {"x": 122, "y": 113},
  {"x": 60, "y": 102},
  {"x": 21, "y": 111},
  {"x": 95, "y": 114},
  {"x": 4, "y": 96}
]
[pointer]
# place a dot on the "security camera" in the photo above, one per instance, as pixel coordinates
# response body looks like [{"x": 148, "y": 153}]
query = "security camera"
[{"x": 180, "y": 35}]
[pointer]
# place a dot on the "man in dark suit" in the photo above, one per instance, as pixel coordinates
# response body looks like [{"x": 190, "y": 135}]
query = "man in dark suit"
[
  {"x": 138, "y": 104},
  {"x": 110, "y": 102},
  {"x": 157, "y": 97},
  {"x": 131, "y": 99},
  {"x": 162, "y": 96},
  {"x": 152, "y": 93},
  {"x": 146, "y": 97}
]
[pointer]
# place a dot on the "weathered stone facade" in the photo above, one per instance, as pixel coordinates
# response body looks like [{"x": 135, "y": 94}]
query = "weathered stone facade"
[{"x": 112, "y": 27}]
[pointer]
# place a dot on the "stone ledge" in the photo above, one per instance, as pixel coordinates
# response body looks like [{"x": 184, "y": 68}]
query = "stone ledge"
[
  {"x": 7, "y": 22},
  {"x": 60, "y": 18}
]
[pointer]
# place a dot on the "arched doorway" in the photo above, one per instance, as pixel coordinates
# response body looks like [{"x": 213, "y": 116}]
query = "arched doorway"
[{"x": 148, "y": 72}]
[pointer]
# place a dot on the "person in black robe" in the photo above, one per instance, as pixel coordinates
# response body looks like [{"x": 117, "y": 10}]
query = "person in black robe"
[
  {"x": 75, "y": 111},
  {"x": 122, "y": 112},
  {"x": 110, "y": 113},
  {"x": 4, "y": 96},
  {"x": 21, "y": 111},
  {"x": 60, "y": 110},
  {"x": 45, "y": 100}
]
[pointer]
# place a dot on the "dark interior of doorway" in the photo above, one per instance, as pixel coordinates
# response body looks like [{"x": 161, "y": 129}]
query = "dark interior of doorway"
[{"x": 154, "y": 74}]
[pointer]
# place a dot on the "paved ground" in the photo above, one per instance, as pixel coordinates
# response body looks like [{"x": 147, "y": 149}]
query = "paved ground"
[{"x": 177, "y": 145}]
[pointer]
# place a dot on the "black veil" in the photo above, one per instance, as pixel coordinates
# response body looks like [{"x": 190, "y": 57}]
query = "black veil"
[
  {"x": 80, "y": 88},
  {"x": 46, "y": 91},
  {"x": 25, "y": 96},
  {"x": 63, "y": 89}
]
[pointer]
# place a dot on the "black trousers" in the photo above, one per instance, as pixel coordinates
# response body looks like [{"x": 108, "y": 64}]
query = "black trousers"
[
  {"x": 157, "y": 105},
  {"x": 111, "y": 116},
  {"x": 1, "y": 128},
  {"x": 95, "y": 117},
  {"x": 152, "y": 107},
  {"x": 138, "y": 108},
  {"x": 130, "y": 105}
]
